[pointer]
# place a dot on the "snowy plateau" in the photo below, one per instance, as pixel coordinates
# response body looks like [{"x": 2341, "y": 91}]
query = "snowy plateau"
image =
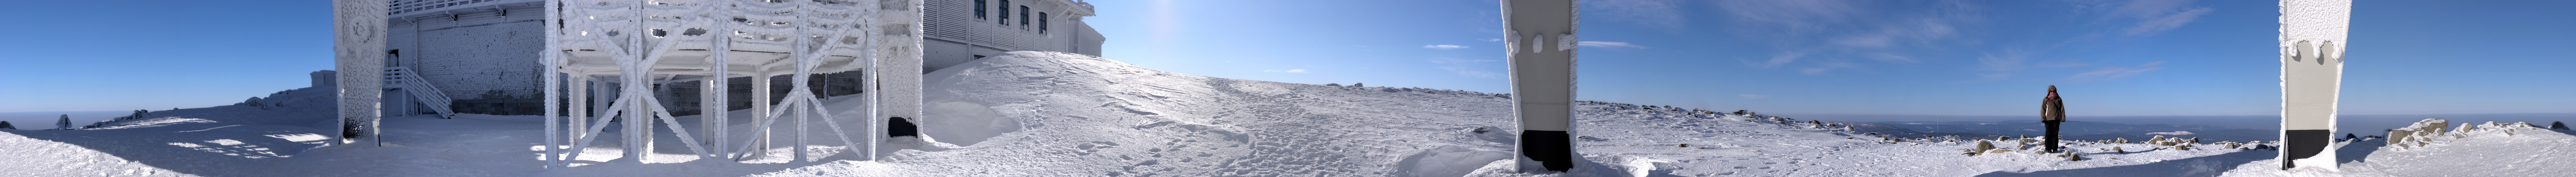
[{"x": 1058, "y": 114}]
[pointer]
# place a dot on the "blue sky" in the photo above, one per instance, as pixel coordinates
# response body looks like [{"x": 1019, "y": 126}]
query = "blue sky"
[
  {"x": 2147, "y": 57},
  {"x": 2150, "y": 57}
]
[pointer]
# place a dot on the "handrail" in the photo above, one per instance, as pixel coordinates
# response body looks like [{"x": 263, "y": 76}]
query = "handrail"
[{"x": 437, "y": 101}]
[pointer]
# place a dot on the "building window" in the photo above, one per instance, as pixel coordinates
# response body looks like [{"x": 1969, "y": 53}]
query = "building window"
[
  {"x": 1024, "y": 17},
  {"x": 1005, "y": 13},
  {"x": 979, "y": 9},
  {"x": 1042, "y": 24}
]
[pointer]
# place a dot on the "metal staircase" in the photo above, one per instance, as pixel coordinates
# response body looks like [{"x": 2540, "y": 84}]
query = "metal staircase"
[{"x": 402, "y": 77}]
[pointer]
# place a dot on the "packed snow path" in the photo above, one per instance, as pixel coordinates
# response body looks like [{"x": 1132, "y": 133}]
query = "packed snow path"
[{"x": 1055, "y": 114}]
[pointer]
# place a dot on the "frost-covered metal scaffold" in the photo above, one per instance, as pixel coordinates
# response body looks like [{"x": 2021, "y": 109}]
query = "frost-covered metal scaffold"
[{"x": 635, "y": 44}]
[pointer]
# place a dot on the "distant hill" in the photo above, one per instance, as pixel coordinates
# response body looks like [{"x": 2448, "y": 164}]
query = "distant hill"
[
  {"x": 2034, "y": 128},
  {"x": 2206, "y": 136}
]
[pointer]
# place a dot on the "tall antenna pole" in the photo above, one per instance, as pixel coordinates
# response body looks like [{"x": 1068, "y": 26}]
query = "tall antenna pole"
[{"x": 1541, "y": 42}]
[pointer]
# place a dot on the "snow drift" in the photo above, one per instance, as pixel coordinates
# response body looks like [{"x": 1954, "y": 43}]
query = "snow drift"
[{"x": 1057, "y": 114}]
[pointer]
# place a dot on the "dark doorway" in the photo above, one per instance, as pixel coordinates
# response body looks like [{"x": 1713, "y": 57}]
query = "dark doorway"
[{"x": 898, "y": 127}]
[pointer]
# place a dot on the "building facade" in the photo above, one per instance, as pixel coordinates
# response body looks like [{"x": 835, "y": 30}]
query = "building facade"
[{"x": 481, "y": 56}]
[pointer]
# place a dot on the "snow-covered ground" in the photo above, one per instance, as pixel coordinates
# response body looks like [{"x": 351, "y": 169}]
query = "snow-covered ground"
[{"x": 1056, "y": 114}]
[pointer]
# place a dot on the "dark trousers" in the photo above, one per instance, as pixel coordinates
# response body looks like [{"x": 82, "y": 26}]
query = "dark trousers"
[{"x": 2050, "y": 140}]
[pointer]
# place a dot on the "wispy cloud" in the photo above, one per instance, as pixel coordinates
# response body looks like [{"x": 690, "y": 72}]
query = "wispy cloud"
[
  {"x": 1888, "y": 57},
  {"x": 2117, "y": 72},
  {"x": 2066, "y": 64},
  {"x": 1753, "y": 96},
  {"x": 2001, "y": 65},
  {"x": 2008, "y": 60},
  {"x": 2168, "y": 22},
  {"x": 1444, "y": 47},
  {"x": 1660, "y": 14},
  {"x": 1791, "y": 14},
  {"x": 1829, "y": 65},
  {"x": 1493, "y": 40},
  {"x": 2153, "y": 16},
  {"x": 1469, "y": 68},
  {"x": 1784, "y": 57},
  {"x": 1608, "y": 44},
  {"x": 1993, "y": 77},
  {"x": 1286, "y": 71},
  {"x": 1825, "y": 36}
]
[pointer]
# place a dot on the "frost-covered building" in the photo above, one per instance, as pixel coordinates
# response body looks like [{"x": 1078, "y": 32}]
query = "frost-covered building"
[{"x": 481, "y": 56}]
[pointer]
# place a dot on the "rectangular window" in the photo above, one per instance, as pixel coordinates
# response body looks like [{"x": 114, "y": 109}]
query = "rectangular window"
[
  {"x": 979, "y": 9},
  {"x": 1005, "y": 13},
  {"x": 1042, "y": 22},
  {"x": 1024, "y": 17}
]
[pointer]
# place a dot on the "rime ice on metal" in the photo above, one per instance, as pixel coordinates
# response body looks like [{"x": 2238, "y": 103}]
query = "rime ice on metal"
[
  {"x": 634, "y": 44},
  {"x": 1541, "y": 38},
  {"x": 2312, "y": 43},
  {"x": 359, "y": 29}
]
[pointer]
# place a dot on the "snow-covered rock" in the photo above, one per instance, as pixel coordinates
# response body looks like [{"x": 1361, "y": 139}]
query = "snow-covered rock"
[{"x": 2498, "y": 149}]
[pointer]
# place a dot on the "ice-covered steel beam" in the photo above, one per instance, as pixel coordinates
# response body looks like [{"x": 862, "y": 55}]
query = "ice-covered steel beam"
[
  {"x": 899, "y": 91},
  {"x": 1540, "y": 42},
  {"x": 2312, "y": 43},
  {"x": 359, "y": 51}
]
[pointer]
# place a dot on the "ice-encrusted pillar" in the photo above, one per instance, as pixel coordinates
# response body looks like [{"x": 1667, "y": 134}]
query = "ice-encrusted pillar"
[
  {"x": 2312, "y": 43},
  {"x": 1540, "y": 40},
  {"x": 358, "y": 27},
  {"x": 901, "y": 60}
]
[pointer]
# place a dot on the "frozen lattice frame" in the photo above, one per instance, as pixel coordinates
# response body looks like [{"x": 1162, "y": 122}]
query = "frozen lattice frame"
[{"x": 637, "y": 43}]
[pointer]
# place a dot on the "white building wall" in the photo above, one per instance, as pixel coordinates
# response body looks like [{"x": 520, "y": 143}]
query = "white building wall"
[
  {"x": 472, "y": 48},
  {"x": 953, "y": 22},
  {"x": 467, "y": 62},
  {"x": 1089, "y": 41}
]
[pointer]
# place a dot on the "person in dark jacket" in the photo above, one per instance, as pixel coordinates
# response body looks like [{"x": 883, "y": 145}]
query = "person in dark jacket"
[{"x": 2051, "y": 112}]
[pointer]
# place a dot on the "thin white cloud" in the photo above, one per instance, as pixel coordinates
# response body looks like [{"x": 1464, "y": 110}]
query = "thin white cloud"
[
  {"x": 1829, "y": 65},
  {"x": 2152, "y": 16},
  {"x": 1888, "y": 57},
  {"x": 1607, "y": 44},
  {"x": 2144, "y": 8},
  {"x": 1826, "y": 36},
  {"x": 2117, "y": 72},
  {"x": 1791, "y": 14},
  {"x": 2001, "y": 64},
  {"x": 2008, "y": 60},
  {"x": 1444, "y": 47},
  {"x": 1783, "y": 57},
  {"x": 1753, "y": 96},
  {"x": 1660, "y": 14},
  {"x": 1493, "y": 40},
  {"x": 1994, "y": 77},
  {"x": 2168, "y": 22}
]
